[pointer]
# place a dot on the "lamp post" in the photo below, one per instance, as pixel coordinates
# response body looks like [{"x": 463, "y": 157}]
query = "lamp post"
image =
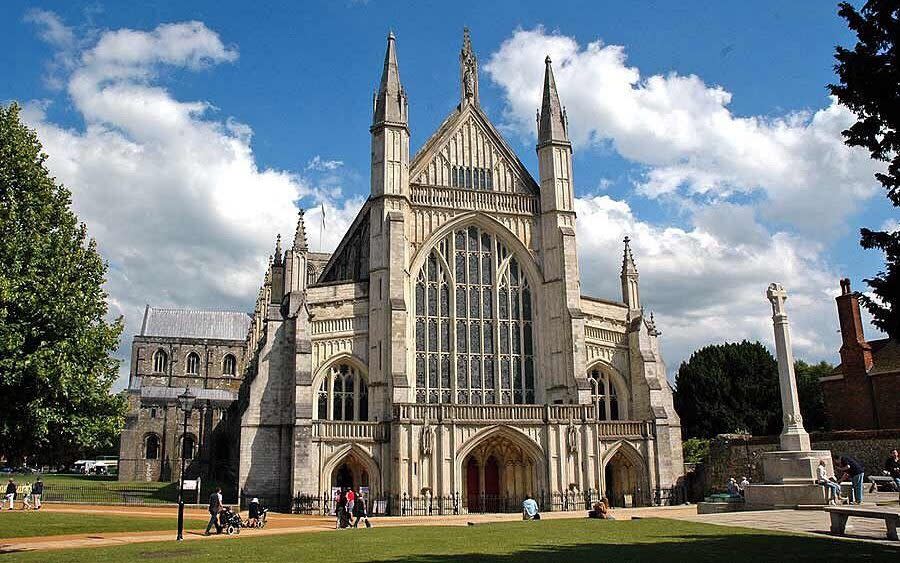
[{"x": 186, "y": 401}]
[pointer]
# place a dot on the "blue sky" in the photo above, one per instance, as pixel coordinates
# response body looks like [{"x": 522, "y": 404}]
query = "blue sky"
[{"x": 691, "y": 183}]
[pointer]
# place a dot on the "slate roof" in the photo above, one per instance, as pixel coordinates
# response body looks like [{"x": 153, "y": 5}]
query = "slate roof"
[
  {"x": 187, "y": 323},
  {"x": 885, "y": 357}
]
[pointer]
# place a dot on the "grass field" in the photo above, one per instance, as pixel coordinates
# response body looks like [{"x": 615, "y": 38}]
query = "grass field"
[
  {"x": 573, "y": 541},
  {"x": 21, "y": 524},
  {"x": 105, "y": 489}
]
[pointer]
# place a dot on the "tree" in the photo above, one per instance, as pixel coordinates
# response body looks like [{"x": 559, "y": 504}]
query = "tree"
[
  {"x": 732, "y": 388},
  {"x": 870, "y": 86},
  {"x": 812, "y": 401},
  {"x": 728, "y": 388},
  {"x": 56, "y": 368}
]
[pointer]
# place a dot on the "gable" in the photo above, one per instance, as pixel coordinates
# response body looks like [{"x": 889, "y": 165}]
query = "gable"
[
  {"x": 468, "y": 152},
  {"x": 350, "y": 261}
]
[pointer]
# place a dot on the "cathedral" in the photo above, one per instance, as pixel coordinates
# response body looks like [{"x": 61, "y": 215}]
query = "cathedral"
[{"x": 444, "y": 349}]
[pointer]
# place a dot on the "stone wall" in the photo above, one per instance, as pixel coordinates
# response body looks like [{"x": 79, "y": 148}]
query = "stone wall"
[{"x": 732, "y": 455}]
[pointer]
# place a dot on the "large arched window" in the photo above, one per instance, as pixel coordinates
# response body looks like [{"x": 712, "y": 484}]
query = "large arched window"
[
  {"x": 343, "y": 395},
  {"x": 604, "y": 395},
  {"x": 474, "y": 339},
  {"x": 192, "y": 366},
  {"x": 151, "y": 447},
  {"x": 229, "y": 365},
  {"x": 160, "y": 361}
]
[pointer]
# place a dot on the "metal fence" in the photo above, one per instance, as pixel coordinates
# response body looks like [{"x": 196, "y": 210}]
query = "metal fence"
[{"x": 428, "y": 505}]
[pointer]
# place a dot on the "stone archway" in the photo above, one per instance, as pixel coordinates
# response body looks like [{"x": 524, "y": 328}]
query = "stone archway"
[
  {"x": 351, "y": 466},
  {"x": 498, "y": 469},
  {"x": 624, "y": 477}
]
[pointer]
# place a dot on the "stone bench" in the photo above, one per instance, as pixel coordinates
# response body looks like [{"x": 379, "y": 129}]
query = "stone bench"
[
  {"x": 881, "y": 482},
  {"x": 840, "y": 515}
]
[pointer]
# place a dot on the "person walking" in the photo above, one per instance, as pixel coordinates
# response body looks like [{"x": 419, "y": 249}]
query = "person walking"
[
  {"x": 11, "y": 493},
  {"x": 36, "y": 492},
  {"x": 215, "y": 507},
  {"x": 854, "y": 468},
  {"x": 351, "y": 501},
  {"x": 832, "y": 487},
  {"x": 360, "y": 511},
  {"x": 340, "y": 505},
  {"x": 892, "y": 468},
  {"x": 26, "y": 496}
]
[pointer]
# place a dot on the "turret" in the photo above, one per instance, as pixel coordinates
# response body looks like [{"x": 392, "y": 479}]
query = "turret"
[
  {"x": 559, "y": 249},
  {"x": 391, "y": 107},
  {"x": 630, "y": 294}
]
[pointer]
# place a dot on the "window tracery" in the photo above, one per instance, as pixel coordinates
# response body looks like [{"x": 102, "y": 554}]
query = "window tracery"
[
  {"x": 473, "y": 328},
  {"x": 604, "y": 395},
  {"x": 343, "y": 395}
]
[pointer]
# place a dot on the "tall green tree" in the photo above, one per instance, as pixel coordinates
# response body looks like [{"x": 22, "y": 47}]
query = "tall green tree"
[
  {"x": 730, "y": 388},
  {"x": 809, "y": 390},
  {"x": 56, "y": 368},
  {"x": 727, "y": 388},
  {"x": 870, "y": 86}
]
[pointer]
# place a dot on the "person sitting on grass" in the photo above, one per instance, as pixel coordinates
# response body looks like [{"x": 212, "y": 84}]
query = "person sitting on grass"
[
  {"x": 601, "y": 510},
  {"x": 253, "y": 513},
  {"x": 530, "y": 509}
]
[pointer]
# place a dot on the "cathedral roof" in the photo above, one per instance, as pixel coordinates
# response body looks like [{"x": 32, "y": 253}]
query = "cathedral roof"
[{"x": 187, "y": 323}]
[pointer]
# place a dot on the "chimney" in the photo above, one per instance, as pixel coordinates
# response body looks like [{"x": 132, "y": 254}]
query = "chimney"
[{"x": 854, "y": 348}]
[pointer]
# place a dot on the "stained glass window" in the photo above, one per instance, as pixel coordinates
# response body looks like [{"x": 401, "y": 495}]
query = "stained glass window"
[{"x": 473, "y": 327}]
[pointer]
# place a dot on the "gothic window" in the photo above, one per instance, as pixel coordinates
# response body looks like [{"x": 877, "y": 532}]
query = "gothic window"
[
  {"x": 471, "y": 177},
  {"x": 343, "y": 395},
  {"x": 473, "y": 330},
  {"x": 229, "y": 365},
  {"x": 188, "y": 445},
  {"x": 160, "y": 361},
  {"x": 151, "y": 447},
  {"x": 193, "y": 364},
  {"x": 312, "y": 275},
  {"x": 604, "y": 395}
]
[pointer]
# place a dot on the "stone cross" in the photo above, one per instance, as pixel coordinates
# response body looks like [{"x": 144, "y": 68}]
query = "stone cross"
[{"x": 793, "y": 435}]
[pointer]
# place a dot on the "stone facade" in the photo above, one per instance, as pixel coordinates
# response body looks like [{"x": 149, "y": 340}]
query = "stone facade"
[
  {"x": 445, "y": 348},
  {"x": 862, "y": 392},
  {"x": 178, "y": 349}
]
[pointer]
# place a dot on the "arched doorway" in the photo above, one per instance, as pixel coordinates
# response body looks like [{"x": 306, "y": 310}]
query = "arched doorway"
[
  {"x": 351, "y": 466},
  {"x": 624, "y": 478},
  {"x": 350, "y": 473},
  {"x": 499, "y": 471}
]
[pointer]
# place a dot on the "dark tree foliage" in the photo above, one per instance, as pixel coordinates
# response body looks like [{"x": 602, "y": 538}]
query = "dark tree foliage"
[
  {"x": 870, "y": 86},
  {"x": 56, "y": 368},
  {"x": 733, "y": 388},
  {"x": 812, "y": 401}
]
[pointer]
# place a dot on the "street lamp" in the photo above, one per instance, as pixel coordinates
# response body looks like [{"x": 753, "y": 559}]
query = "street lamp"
[{"x": 186, "y": 401}]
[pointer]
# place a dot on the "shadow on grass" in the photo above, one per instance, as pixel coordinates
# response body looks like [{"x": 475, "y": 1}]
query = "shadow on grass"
[{"x": 693, "y": 548}]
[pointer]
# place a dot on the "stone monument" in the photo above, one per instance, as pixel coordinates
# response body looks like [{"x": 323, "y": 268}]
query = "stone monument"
[{"x": 790, "y": 472}]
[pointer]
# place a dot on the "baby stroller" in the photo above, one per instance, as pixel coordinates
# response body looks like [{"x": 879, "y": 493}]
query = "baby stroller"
[{"x": 230, "y": 521}]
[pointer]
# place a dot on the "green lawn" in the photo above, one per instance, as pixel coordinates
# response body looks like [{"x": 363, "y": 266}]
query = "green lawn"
[
  {"x": 568, "y": 541},
  {"x": 106, "y": 489},
  {"x": 21, "y": 523}
]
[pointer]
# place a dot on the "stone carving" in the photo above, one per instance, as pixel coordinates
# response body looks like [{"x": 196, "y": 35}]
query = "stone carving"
[
  {"x": 427, "y": 442},
  {"x": 572, "y": 438}
]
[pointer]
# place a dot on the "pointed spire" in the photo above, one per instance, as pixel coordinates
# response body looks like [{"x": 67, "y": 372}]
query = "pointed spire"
[
  {"x": 390, "y": 101},
  {"x": 300, "y": 244},
  {"x": 628, "y": 265},
  {"x": 278, "y": 254},
  {"x": 552, "y": 127},
  {"x": 468, "y": 70}
]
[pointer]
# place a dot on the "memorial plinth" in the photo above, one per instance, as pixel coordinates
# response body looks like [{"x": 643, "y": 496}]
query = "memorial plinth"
[{"x": 789, "y": 474}]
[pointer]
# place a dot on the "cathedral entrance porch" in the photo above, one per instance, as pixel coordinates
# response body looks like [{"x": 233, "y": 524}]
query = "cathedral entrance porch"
[
  {"x": 624, "y": 478},
  {"x": 498, "y": 473}
]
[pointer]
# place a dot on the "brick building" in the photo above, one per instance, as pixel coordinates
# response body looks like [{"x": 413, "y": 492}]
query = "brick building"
[{"x": 863, "y": 392}]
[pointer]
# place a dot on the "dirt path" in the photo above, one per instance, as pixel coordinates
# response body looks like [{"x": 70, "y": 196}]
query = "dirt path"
[{"x": 277, "y": 524}]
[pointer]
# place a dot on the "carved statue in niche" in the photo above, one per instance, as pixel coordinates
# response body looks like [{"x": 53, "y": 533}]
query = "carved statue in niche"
[
  {"x": 572, "y": 438},
  {"x": 469, "y": 79},
  {"x": 427, "y": 441}
]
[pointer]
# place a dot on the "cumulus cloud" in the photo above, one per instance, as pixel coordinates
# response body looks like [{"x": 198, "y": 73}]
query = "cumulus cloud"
[
  {"x": 682, "y": 131},
  {"x": 171, "y": 191},
  {"x": 707, "y": 284}
]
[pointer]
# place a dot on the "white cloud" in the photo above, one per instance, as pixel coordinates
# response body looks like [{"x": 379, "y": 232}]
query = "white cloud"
[
  {"x": 179, "y": 206},
  {"x": 682, "y": 130},
  {"x": 707, "y": 284},
  {"x": 319, "y": 164}
]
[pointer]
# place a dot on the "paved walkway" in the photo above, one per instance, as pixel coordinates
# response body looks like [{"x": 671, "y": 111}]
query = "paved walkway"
[{"x": 793, "y": 521}]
